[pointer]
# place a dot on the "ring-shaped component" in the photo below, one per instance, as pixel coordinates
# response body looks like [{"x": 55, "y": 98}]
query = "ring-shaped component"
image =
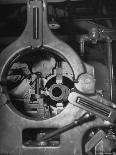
[{"x": 58, "y": 92}]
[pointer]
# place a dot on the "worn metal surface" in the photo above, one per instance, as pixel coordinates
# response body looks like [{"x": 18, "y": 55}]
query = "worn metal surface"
[{"x": 12, "y": 122}]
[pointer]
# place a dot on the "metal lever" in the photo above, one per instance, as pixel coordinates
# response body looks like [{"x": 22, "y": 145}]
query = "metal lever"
[{"x": 83, "y": 119}]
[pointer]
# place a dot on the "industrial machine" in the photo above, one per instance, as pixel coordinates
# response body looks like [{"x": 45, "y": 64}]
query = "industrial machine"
[{"x": 54, "y": 101}]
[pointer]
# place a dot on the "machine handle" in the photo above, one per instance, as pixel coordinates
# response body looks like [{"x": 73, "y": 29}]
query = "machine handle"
[{"x": 92, "y": 106}]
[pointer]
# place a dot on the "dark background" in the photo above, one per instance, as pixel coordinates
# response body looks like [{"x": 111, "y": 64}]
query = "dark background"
[{"x": 72, "y": 16}]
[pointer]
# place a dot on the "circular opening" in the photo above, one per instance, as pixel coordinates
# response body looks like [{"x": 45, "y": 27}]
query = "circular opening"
[
  {"x": 22, "y": 83},
  {"x": 56, "y": 92}
]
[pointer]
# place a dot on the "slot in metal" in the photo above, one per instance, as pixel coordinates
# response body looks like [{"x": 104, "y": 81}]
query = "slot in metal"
[
  {"x": 93, "y": 106},
  {"x": 36, "y": 23}
]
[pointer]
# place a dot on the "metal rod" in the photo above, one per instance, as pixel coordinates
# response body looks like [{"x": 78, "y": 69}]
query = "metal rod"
[
  {"x": 110, "y": 67},
  {"x": 84, "y": 118}
]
